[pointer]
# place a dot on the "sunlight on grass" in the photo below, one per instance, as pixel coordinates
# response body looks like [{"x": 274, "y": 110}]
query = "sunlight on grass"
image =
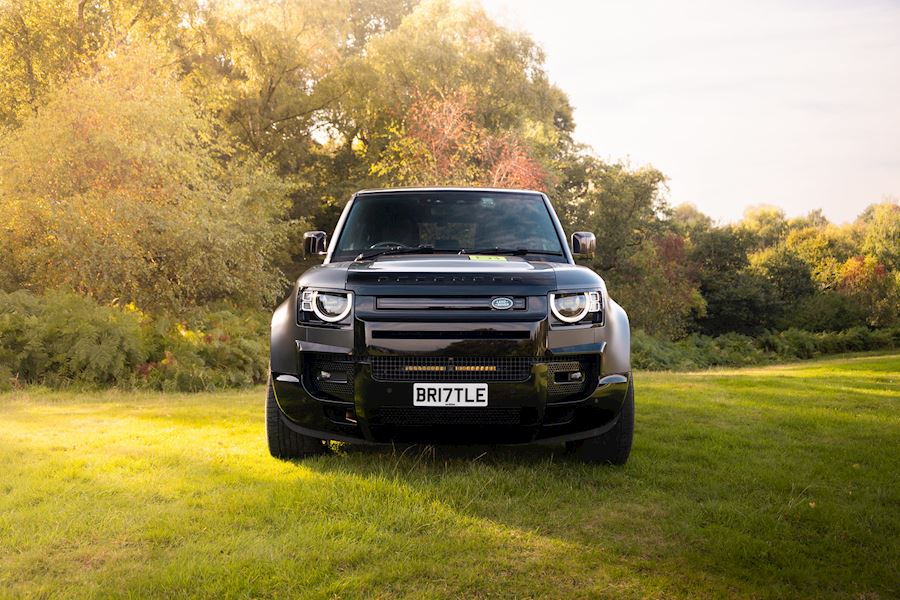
[{"x": 767, "y": 482}]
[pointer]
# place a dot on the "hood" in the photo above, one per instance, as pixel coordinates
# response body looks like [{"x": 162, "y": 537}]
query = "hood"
[{"x": 450, "y": 275}]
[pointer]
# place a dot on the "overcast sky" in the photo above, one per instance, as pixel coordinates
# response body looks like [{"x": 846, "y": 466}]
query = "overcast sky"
[{"x": 793, "y": 103}]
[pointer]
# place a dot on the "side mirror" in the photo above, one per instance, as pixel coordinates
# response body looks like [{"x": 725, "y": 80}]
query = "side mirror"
[
  {"x": 584, "y": 244},
  {"x": 314, "y": 243}
]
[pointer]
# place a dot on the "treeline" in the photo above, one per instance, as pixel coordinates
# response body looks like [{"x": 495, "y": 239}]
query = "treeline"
[
  {"x": 166, "y": 155},
  {"x": 65, "y": 339},
  {"x": 682, "y": 274}
]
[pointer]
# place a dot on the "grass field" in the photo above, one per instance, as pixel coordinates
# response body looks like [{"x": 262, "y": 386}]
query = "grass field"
[{"x": 780, "y": 481}]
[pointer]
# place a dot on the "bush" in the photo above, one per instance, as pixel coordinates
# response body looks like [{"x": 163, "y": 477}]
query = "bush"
[
  {"x": 211, "y": 349},
  {"x": 62, "y": 338},
  {"x": 826, "y": 311},
  {"x": 734, "y": 350}
]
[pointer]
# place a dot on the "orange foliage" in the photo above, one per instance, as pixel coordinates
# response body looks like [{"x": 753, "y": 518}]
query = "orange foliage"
[{"x": 440, "y": 143}]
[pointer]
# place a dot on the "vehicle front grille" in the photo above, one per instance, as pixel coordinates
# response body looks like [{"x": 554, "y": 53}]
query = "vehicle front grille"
[
  {"x": 426, "y": 417},
  {"x": 330, "y": 376},
  {"x": 451, "y": 368},
  {"x": 425, "y": 369}
]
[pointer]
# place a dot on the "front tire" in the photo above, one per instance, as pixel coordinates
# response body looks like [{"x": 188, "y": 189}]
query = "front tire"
[
  {"x": 284, "y": 442},
  {"x": 614, "y": 446}
]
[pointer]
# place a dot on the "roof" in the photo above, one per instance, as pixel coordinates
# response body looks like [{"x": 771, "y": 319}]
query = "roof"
[{"x": 448, "y": 189}]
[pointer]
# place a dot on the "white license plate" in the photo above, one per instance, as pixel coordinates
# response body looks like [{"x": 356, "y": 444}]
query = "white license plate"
[{"x": 450, "y": 394}]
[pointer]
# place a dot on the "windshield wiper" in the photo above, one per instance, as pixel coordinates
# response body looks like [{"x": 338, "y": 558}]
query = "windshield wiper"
[
  {"x": 391, "y": 251},
  {"x": 510, "y": 251}
]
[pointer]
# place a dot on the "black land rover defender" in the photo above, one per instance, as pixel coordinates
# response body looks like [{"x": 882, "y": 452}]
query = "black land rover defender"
[{"x": 450, "y": 316}]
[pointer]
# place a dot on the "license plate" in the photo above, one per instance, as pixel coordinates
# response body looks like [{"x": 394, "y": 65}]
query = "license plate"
[{"x": 450, "y": 394}]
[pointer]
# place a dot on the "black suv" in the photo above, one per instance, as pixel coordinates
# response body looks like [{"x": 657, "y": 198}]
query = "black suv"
[{"x": 450, "y": 316}]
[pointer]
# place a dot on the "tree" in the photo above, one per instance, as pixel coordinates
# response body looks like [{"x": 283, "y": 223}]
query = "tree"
[
  {"x": 444, "y": 49},
  {"x": 881, "y": 237},
  {"x": 687, "y": 218},
  {"x": 622, "y": 206},
  {"x": 784, "y": 269},
  {"x": 824, "y": 249},
  {"x": 659, "y": 287},
  {"x": 438, "y": 143},
  {"x": 737, "y": 299},
  {"x": 45, "y": 43},
  {"x": 871, "y": 285},
  {"x": 766, "y": 225},
  {"x": 118, "y": 189}
]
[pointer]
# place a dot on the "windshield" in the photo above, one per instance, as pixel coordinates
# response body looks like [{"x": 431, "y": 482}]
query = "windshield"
[{"x": 451, "y": 222}]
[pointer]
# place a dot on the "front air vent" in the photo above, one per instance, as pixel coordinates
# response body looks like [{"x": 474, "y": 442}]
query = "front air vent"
[{"x": 330, "y": 376}]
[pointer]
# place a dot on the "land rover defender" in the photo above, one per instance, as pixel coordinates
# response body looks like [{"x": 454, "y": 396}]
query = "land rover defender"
[{"x": 450, "y": 316}]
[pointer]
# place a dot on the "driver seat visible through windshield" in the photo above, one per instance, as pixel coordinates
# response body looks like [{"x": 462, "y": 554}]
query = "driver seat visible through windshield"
[{"x": 393, "y": 225}]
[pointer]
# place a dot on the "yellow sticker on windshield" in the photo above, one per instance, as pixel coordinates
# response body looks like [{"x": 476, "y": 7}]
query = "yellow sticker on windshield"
[{"x": 485, "y": 257}]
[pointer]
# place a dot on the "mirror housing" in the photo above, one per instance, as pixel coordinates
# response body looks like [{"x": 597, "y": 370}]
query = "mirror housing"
[
  {"x": 584, "y": 244},
  {"x": 314, "y": 243}
]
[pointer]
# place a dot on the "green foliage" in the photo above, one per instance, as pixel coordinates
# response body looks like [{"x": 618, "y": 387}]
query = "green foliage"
[
  {"x": 45, "y": 43},
  {"x": 213, "y": 348},
  {"x": 790, "y": 275},
  {"x": 117, "y": 188},
  {"x": 735, "y": 350},
  {"x": 443, "y": 47},
  {"x": 826, "y": 311},
  {"x": 766, "y": 225},
  {"x": 880, "y": 224},
  {"x": 624, "y": 204},
  {"x": 62, "y": 339},
  {"x": 658, "y": 286},
  {"x": 739, "y": 301},
  {"x": 875, "y": 288}
]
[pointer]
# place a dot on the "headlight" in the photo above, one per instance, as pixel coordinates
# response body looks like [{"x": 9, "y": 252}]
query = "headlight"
[
  {"x": 573, "y": 307},
  {"x": 330, "y": 307}
]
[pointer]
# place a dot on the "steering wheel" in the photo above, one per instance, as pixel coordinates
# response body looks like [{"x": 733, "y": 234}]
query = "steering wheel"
[{"x": 389, "y": 244}]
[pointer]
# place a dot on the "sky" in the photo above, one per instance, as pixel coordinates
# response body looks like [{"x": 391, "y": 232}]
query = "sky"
[{"x": 794, "y": 103}]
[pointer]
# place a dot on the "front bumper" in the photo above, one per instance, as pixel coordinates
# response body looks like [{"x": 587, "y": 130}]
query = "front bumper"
[{"x": 361, "y": 402}]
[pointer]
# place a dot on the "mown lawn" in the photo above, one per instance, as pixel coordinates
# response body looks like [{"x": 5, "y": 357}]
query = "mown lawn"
[{"x": 780, "y": 481}]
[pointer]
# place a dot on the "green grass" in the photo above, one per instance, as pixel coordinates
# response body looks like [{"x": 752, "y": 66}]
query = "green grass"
[{"x": 779, "y": 481}]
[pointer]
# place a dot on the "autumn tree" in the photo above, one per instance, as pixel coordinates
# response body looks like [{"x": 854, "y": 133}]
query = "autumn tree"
[
  {"x": 118, "y": 188},
  {"x": 872, "y": 286},
  {"x": 439, "y": 143}
]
